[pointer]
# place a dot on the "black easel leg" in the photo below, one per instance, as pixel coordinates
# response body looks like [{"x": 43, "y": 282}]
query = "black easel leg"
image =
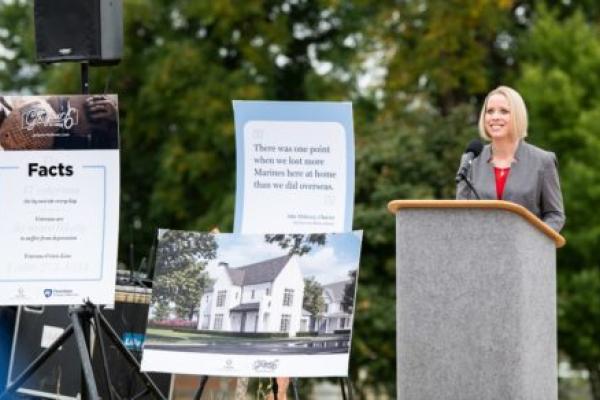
[
  {"x": 275, "y": 388},
  {"x": 203, "y": 380},
  {"x": 30, "y": 370},
  {"x": 103, "y": 355},
  {"x": 343, "y": 388},
  {"x": 350, "y": 392},
  {"x": 112, "y": 335},
  {"x": 141, "y": 394},
  {"x": 294, "y": 382},
  {"x": 84, "y": 355}
]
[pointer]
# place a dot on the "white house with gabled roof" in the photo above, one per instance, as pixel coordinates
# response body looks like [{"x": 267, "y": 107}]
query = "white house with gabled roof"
[
  {"x": 334, "y": 317},
  {"x": 261, "y": 297}
]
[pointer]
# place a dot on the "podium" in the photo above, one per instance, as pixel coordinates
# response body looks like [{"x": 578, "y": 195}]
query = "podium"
[{"x": 476, "y": 301}]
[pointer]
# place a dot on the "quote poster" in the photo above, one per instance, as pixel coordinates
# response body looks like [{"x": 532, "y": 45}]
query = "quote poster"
[
  {"x": 253, "y": 305},
  {"x": 295, "y": 166},
  {"x": 59, "y": 199}
]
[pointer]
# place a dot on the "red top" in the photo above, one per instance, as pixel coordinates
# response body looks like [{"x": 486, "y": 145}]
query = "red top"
[{"x": 501, "y": 176}]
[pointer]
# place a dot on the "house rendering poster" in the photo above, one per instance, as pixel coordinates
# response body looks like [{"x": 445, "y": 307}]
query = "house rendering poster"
[
  {"x": 295, "y": 166},
  {"x": 253, "y": 305},
  {"x": 59, "y": 203}
]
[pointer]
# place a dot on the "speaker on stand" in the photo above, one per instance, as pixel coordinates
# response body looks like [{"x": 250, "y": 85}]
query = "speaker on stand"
[{"x": 79, "y": 31}]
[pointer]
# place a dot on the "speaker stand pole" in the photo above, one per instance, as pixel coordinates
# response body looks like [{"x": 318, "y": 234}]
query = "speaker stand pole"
[{"x": 85, "y": 81}]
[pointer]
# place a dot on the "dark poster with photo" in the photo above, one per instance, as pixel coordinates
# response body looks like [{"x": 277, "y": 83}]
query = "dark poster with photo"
[{"x": 59, "y": 207}]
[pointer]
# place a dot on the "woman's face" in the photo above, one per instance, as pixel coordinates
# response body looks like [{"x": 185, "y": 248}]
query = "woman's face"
[{"x": 497, "y": 117}]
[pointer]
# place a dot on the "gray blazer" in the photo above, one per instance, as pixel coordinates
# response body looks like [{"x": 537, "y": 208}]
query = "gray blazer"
[{"x": 532, "y": 182}]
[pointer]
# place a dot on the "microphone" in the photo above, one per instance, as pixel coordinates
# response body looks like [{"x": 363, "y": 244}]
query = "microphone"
[{"x": 473, "y": 150}]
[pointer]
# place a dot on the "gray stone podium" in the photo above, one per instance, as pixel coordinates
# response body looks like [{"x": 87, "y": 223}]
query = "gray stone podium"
[{"x": 476, "y": 301}]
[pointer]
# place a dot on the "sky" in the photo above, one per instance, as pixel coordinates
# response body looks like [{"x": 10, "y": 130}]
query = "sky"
[{"x": 329, "y": 263}]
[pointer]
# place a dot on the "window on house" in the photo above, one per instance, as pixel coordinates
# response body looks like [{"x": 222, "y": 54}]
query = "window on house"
[
  {"x": 268, "y": 291},
  {"x": 342, "y": 323},
  {"x": 326, "y": 308},
  {"x": 218, "y": 325},
  {"x": 288, "y": 297},
  {"x": 221, "y": 294},
  {"x": 285, "y": 323},
  {"x": 252, "y": 294}
]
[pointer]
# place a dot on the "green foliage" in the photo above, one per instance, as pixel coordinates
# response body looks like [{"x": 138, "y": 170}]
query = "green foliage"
[
  {"x": 177, "y": 250},
  {"x": 183, "y": 287},
  {"x": 447, "y": 49},
  {"x": 579, "y": 315},
  {"x": 18, "y": 69},
  {"x": 297, "y": 244},
  {"x": 313, "y": 297},
  {"x": 349, "y": 293}
]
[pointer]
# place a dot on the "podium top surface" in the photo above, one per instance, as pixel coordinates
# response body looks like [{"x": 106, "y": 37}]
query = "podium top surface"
[{"x": 395, "y": 206}]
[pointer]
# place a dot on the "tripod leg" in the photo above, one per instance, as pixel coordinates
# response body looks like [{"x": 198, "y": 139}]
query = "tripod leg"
[
  {"x": 200, "y": 390},
  {"x": 275, "y": 388},
  {"x": 103, "y": 354},
  {"x": 84, "y": 355},
  {"x": 350, "y": 392},
  {"x": 39, "y": 360},
  {"x": 141, "y": 394},
  {"x": 129, "y": 357},
  {"x": 343, "y": 388},
  {"x": 295, "y": 388}
]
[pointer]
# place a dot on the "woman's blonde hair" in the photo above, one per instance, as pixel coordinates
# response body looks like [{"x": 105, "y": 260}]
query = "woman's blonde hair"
[{"x": 518, "y": 112}]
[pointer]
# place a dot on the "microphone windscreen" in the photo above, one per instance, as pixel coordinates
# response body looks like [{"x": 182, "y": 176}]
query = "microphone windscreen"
[{"x": 475, "y": 146}]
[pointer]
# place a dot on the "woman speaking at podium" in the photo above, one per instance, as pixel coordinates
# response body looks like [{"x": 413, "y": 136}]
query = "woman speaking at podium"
[{"x": 508, "y": 168}]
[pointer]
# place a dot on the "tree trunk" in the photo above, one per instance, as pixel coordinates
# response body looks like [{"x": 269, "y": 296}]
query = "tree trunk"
[{"x": 594, "y": 371}]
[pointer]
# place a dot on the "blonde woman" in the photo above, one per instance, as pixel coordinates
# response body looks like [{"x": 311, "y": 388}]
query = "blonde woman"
[{"x": 509, "y": 168}]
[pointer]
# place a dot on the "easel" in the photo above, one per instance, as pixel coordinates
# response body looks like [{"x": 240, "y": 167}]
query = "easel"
[
  {"x": 87, "y": 314},
  {"x": 344, "y": 383}
]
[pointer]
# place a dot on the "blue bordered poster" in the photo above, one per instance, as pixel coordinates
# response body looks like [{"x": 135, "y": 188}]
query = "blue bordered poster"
[
  {"x": 295, "y": 166},
  {"x": 59, "y": 198}
]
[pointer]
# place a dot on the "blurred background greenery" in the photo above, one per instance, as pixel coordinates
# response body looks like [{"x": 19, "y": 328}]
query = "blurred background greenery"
[{"x": 416, "y": 72}]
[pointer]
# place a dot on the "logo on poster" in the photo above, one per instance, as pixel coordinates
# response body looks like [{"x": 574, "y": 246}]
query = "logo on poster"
[
  {"x": 38, "y": 116},
  {"x": 265, "y": 366},
  {"x": 47, "y": 292},
  {"x": 228, "y": 364}
]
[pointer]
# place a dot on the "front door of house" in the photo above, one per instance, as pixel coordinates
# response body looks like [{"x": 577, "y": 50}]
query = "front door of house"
[{"x": 243, "y": 324}]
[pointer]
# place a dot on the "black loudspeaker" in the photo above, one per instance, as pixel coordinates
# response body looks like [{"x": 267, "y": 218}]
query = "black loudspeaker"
[{"x": 79, "y": 30}]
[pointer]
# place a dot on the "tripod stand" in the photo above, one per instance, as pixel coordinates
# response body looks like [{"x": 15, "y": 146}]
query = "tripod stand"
[{"x": 81, "y": 316}]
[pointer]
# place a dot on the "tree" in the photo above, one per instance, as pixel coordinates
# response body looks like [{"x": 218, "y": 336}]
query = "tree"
[
  {"x": 162, "y": 309},
  {"x": 442, "y": 52},
  {"x": 18, "y": 69},
  {"x": 349, "y": 293},
  {"x": 297, "y": 244},
  {"x": 179, "y": 250},
  {"x": 313, "y": 297},
  {"x": 183, "y": 287}
]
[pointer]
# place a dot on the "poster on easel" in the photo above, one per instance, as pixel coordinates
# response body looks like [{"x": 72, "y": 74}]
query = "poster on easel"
[
  {"x": 59, "y": 199},
  {"x": 295, "y": 166},
  {"x": 252, "y": 305}
]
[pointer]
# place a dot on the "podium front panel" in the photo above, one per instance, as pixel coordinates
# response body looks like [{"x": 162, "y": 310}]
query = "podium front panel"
[{"x": 476, "y": 306}]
